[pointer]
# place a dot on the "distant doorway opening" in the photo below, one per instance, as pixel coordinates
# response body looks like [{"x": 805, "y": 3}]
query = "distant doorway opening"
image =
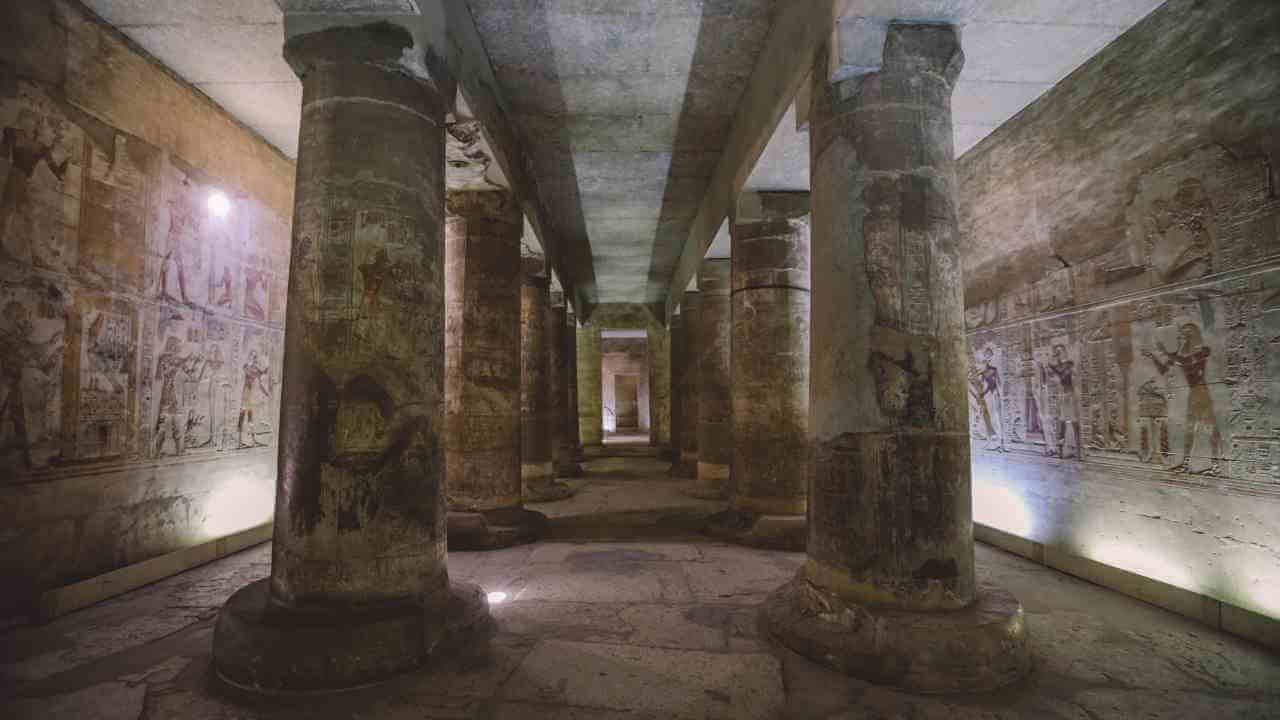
[{"x": 624, "y": 378}]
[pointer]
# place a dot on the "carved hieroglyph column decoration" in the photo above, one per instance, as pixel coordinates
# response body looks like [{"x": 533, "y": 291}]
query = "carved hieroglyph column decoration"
[
  {"x": 482, "y": 373},
  {"x": 537, "y": 472},
  {"x": 675, "y": 331},
  {"x": 691, "y": 311},
  {"x": 770, "y": 371},
  {"x": 590, "y": 392},
  {"x": 715, "y": 435},
  {"x": 564, "y": 348},
  {"x": 888, "y": 592},
  {"x": 359, "y": 588}
]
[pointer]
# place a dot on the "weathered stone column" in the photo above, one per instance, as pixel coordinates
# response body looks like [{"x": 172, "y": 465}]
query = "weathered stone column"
[
  {"x": 715, "y": 409},
  {"x": 565, "y": 420},
  {"x": 659, "y": 347},
  {"x": 573, "y": 431},
  {"x": 676, "y": 344},
  {"x": 691, "y": 311},
  {"x": 888, "y": 593},
  {"x": 770, "y": 371},
  {"x": 537, "y": 472},
  {"x": 482, "y": 373},
  {"x": 359, "y": 587},
  {"x": 590, "y": 407}
]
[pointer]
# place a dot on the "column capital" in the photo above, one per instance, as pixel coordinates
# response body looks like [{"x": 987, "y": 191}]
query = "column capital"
[
  {"x": 713, "y": 276},
  {"x": 864, "y": 45},
  {"x": 490, "y": 205},
  {"x": 756, "y": 206}
]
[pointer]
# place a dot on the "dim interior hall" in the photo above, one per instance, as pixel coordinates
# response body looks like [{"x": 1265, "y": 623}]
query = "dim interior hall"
[{"x": 646, "y": 359}]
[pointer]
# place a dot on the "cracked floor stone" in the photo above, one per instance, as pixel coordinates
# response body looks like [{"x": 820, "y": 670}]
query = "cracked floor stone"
[{"x": 651, "y": 628}]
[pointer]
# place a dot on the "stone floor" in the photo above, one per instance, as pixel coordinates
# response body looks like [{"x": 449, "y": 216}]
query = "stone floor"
[{"x": 639, "y": 630}]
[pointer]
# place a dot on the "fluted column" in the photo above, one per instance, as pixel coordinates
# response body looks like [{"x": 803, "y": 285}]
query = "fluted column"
[
  {"x": 769, "y": 371},
  {"x": 691, "y": 311},
  {"x": 537, "y": 472},
  {"x": 890, "y": 518},
  {"x": 359, "y": 586},
  {"x": 482, "y": 373},
  {"x": 715, "y": 435}
]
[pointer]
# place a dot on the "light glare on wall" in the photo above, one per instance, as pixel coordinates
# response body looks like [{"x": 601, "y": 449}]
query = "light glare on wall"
[
  {"x": 219, "y": 205},
  {"x": 1000, "y": 508},
  {"x": 497, "y": 597},
  {"x": 238, "y": 505}
]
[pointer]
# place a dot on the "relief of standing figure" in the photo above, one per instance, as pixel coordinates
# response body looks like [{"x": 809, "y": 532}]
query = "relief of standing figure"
[
  {"x": 26, "y": 150},
  {"x": 255, "y": 375},
  {"x": 1064, "y": 370},
  {"x": 167, "y": 421},
  {"x": 985, "y": 383},
  {"x": 1192, "y": 356},
  {"x": 183, "y": 219},
  {"x": 18, "y": 352}
]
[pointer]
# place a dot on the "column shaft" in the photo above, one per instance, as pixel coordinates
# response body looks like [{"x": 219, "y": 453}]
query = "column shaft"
[
  {"x": 563, "y": 351},
  {"x": 537, "y": 470},
  {"x": 888, "y": 593},
  {"x": 715, "y": 408},
  {"x": 691, "y": 309},
  {"x": 573, "y": 430},
  {"x": 482, "y": 351},
  {"x": 676, "y": 333},
  {"x": 359, "y": 587},
  {"x": 590, "y": 409}
]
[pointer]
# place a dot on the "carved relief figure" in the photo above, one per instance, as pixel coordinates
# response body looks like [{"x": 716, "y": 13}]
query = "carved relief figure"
[
  {"x": 904, "y": 392},
  {"x": 255, "y": 293},
  {"x": 984, "y": 388},
  {"x": 256, "y": 376},
  {"x": 20, "y": 353},
  {"x": 1192, "y": 356},
  {"x": 170, "y": 421},
  {"x": 1181, "y": 225},
  {"x": 33, "y": 143},
  {"x": 222, "y": 289},
  {"x": 1064, "y": 371},
  {"x": 184, "y": 222}
]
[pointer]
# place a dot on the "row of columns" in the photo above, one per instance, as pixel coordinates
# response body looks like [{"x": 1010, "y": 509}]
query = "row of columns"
[{"x": 359, "y": 586}]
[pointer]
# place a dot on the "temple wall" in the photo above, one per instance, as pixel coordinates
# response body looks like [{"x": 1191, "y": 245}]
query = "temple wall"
[
  {"x": 1125, "y": 346},
  {"x": 141, "y": 319}
]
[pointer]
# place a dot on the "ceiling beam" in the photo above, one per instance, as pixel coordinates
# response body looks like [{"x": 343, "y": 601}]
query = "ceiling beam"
[{"x": 799, "y": 29}]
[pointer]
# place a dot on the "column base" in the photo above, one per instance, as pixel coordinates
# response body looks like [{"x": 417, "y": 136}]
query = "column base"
[
  {"x": 547, "y": 490},
  {"x": 684, "y": 468},
  {"x": 768, "y": 532},
  {"x": 494, "y": 529},
  {"x": 569, "y": 469},
  {"x": 266, "y": 649},
  {"x": 980, "y": 648},
  {"x": 713, "y": 482}
]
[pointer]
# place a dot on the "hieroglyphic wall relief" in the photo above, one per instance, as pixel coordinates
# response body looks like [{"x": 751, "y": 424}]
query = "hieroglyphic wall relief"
[
  {"x": 1160, "y": 355},
  {"x": 139, "y": 319}
]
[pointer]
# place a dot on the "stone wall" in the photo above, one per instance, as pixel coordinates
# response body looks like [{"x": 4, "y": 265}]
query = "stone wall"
[
  {"x": 1123, "y": 307},
  {"x": 144, "y": 254}
]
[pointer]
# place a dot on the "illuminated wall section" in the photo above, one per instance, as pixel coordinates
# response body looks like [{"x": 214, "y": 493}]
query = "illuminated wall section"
[
  {"x": 1124, "y": 308},
  {"x": 144, "y": 254}
]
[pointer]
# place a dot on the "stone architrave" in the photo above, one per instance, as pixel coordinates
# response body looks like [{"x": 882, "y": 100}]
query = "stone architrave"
[
  {"x": 715, "y": 409},
  {"x": 359, "y": 588},
  {"x": 691, "y": 311},
  {"x": 537, "y": 471},
  {"x": 888, "y": 593},
  {"x": 769, "y": 372},
  {"x": 482, "y": 373}
]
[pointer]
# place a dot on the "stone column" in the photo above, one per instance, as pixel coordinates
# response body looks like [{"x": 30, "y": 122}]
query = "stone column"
[
  {"x": 537, "y": 472},
  {"x": 676, "y": 346},
  {"x": 482, "y": 373},
  {"x": 659, "y": 348},
  {"x": 565, "y": 420},
  {"x": 359, "y": 586},
  {"x": 888, "y": 593},
  {"x": 769, "y": 371},
  {"x": 573, "y": 431},
  {"x": 590, "y": 408},
  {"x": 715, "y": 435},
  {"x": 691, "y": 310}
]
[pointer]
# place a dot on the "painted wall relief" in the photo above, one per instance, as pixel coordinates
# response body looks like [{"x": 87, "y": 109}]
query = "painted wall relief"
[
  {"x": 1180, "y": 376},
  {"x": 139, "y": 319}
]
